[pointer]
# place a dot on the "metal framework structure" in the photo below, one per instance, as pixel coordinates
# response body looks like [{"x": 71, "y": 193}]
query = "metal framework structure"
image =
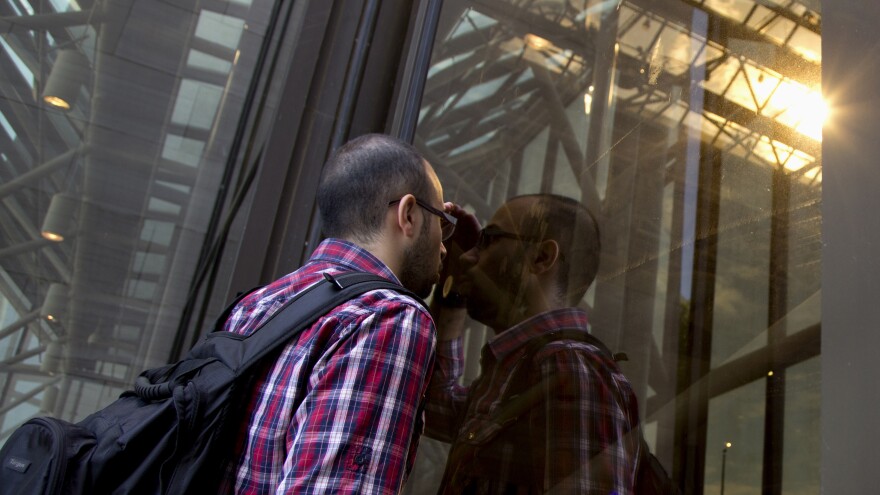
[
  {"x": 744, "y": 60},
  {"x": 741, "y": 78},
  {"x": 142, "y": 148},
  {"x": 151, "y": 136}
]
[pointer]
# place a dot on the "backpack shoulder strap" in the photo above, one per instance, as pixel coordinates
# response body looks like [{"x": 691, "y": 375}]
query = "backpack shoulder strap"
[
  {"x": 520, "y": 396},
  {"x": 520, "y": 373},
  {"x": 651, "y": 478},
  {"x": 306, "y": 308},
  {"x": 241, "y": 353},
  {"x": 580, "y": 335},
  {"x": 221, "y": 320}
]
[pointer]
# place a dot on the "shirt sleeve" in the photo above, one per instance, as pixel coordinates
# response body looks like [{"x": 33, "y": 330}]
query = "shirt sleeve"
[
  {"x": 586, "y": 446},
  {"x": 446, "y": 398},
  {"x": 357, "y": 428}
]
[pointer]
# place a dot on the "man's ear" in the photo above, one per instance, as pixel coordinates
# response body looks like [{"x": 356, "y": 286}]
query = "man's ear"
[
  {"x": 544, "y": 256},
  {"x": 405, "y": 215}
]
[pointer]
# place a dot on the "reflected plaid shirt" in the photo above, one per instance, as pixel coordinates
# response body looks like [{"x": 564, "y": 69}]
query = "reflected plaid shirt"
[
  {"x": 576, "y": 440},
  {"x": 339, "y": 411}
]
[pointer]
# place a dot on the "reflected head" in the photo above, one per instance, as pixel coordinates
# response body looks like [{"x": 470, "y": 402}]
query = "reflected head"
[{"x": 575, "y": 229}]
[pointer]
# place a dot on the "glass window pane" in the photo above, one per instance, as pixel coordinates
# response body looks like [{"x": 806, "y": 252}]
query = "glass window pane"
[
  {"x": 692, "y": 131},
  {"x": 741, "y": 282},
  {"x": 107, "y": 188},
  {"x": 219, "y": 28},
  {"x": 801, "y": 472},
  {"x": 736, "y": 419}
]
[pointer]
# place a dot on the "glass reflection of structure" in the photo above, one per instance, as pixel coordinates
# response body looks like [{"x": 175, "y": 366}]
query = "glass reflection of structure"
[
  {"x": 140, "y": 147},
  {"x": 694, "y": 128}
]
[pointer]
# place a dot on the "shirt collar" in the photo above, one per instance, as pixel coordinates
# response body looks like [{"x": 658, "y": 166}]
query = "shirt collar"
[
  {"x": 352, "y": 257},
  {"x": 512, "y": 339}
]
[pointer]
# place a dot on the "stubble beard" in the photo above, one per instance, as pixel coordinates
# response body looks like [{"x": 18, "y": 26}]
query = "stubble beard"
[{"x": 419, "y": 270}]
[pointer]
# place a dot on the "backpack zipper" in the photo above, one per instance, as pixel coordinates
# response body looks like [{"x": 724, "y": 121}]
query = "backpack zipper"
[{"x": 59, "y": 448}]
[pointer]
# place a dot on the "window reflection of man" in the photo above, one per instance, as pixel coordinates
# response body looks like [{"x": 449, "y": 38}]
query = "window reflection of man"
[{"x": 524, "y": 277}]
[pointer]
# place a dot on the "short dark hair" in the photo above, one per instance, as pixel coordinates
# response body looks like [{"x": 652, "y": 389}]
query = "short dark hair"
[
  {"x": 359, "y": 180},
  {"x": 575, "y": 229}
]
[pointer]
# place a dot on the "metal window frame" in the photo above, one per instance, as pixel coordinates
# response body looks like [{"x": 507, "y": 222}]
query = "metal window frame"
[
  {"x": 302, "y": 138},
  {"x": 851, "y": 233},
  {"x": 349, "y": 65}
]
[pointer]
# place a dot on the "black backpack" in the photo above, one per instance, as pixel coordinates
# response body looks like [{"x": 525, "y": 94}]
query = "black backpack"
[
  {"x": 651, "y": 478},
  {"x": 171, "y": 433}
]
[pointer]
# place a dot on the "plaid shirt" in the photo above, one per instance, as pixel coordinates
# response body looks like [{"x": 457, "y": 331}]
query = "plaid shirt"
[
  {"x": 575, "y": 440},
  {"x": 340, "y": 409}
]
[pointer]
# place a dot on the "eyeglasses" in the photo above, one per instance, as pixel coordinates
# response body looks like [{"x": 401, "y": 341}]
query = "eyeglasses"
[
  {"x": 491, "y": 232},
  {"x": 447, "y": 221}
]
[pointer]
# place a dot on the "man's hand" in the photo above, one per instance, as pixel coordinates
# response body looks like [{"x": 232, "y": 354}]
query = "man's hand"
[
  {"x": 467, "y": 230},
  {"x": 447, "y": 305}
]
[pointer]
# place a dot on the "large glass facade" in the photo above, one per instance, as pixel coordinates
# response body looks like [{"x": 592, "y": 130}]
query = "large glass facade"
[
  {"x": 693, "y": 130},
  {"x": 124, "y": 124},
  {"x": 156, "y": 157}
]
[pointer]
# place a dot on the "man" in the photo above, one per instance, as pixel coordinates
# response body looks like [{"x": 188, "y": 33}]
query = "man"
[
  {"x": 544, "y": 416},
  {"x": 340, "y": 409}
]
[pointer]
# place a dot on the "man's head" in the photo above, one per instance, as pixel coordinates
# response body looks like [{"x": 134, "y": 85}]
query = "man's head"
[
  {"x": 378, "y": 192},
  {"x": 538, "y": 252}
]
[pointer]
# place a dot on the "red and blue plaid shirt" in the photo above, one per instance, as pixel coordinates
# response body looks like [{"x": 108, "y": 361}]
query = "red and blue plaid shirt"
[
  {"x": 578, "y": 438},
  {"x": 340, "y": 409}
]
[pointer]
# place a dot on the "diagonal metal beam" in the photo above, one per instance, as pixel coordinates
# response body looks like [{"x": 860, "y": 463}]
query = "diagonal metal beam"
[
  {"x": 48, "y": 21},
  {"x": 780, "y": 58}
]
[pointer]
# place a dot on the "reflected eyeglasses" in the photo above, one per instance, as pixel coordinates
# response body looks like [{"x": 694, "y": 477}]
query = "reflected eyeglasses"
[
  {"x": 489, "y": 233},
  {"x": 447, "y": 221}
]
